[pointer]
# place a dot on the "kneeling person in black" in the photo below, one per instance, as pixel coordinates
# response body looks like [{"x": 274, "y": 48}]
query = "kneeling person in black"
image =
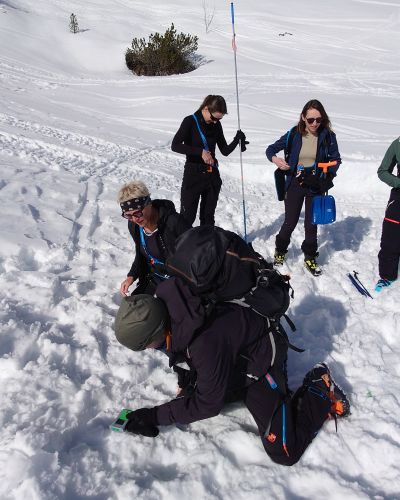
[{"x": 234, "y": 351}]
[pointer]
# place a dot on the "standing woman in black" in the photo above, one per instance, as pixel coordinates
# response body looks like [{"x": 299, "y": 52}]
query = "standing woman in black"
[{"x": 197, "y": 138}]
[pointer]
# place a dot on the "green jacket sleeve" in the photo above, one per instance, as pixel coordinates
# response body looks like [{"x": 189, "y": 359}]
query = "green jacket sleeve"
[{"x": 390, "y": 160}]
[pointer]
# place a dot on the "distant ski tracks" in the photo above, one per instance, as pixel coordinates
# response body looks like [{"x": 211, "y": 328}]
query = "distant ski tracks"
[{"x": 85, "y": 155}]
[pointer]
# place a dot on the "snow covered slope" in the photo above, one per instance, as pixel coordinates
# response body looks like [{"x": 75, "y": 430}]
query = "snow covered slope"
[{"x": 74, "y": 126}]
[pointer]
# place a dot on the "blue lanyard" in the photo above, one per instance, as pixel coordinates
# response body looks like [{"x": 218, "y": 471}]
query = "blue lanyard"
[
  {"x": 153, "y": 261},
  {"x": 203, "y": 137}
]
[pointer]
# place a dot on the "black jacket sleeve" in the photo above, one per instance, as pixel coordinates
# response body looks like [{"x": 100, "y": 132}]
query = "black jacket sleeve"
[
  {"x": 178, "y": 225},
  {"x": 133, "y": 271},
  {"x": 139, "y": 265},
  {"x": 333, "y": 153},
  {"x": 226, "y": 149},
  {"x": 181, "y": 141},
  {"x": 279, "y": 145}
]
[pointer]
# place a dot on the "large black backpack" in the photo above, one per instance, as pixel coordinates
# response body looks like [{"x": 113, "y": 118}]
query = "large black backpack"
[{"x": 219, "y": 266}]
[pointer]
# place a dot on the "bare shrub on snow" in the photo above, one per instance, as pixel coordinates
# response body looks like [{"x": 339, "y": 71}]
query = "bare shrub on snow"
[{"x": 73, "y": 23}]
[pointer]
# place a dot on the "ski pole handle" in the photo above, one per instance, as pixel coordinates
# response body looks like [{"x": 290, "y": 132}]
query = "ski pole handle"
[{"x": 325, "y": 165}]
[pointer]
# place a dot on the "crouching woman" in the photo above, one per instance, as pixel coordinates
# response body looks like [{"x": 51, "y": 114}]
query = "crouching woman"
[{"x": 154, "y": 226}]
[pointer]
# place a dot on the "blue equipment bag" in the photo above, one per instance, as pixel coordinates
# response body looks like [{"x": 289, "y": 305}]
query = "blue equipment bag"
[{"x": 323, "y": 209}]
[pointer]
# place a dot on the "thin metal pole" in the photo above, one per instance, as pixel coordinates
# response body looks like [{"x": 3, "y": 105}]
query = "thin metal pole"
[{"x": 238, "y": 117}]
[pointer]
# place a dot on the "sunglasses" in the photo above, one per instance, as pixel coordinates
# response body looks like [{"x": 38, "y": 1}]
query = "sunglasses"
[
  {"x": 312, "y": 120},
  {"x": 132, "y": 215},
  {"x": 214, "y": 118}
]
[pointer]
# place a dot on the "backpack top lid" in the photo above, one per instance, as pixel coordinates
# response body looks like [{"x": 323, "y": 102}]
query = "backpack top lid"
[{"x": 208, "y": 258}]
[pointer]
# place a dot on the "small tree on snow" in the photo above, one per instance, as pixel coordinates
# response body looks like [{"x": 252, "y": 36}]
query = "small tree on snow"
[
  {"x": 73, "y": 24},
  {"x": 170, "y": 53}
]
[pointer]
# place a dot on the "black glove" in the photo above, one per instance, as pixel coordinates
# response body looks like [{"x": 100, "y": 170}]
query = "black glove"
[
  {"x": 325, "y": 183},
  {"x": 142, "y": 422},
  {"x": 241, "y": 137},
  {"x": 186, "y": 380}
]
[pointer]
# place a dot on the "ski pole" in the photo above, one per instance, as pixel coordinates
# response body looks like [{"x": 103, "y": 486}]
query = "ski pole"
[{"x": 238, "y": 117}]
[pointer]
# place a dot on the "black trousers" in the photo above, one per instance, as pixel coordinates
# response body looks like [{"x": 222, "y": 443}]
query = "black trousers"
[
  {"x": 288, "y": 426},
  {"x": 295, "y": 197},
  {"x": 200, "y": 185},
  {"x": 389, "y": 254}
]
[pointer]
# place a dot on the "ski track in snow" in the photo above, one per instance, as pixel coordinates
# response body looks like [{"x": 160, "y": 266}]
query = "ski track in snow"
[
  {"x": 68, "y": 142},
  {"x": 105, "y": 158}
]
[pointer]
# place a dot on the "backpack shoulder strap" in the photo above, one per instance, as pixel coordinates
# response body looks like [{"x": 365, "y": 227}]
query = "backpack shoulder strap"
[{"x": 289, "y": 142}]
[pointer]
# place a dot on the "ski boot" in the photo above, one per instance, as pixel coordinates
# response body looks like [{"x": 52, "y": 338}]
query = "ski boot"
[
  {"x": 319, "y": 381},
  {"x": 279, "y": 258},
  {"x": 311, "y": 265},
  {"x": 382, "y": 283}
]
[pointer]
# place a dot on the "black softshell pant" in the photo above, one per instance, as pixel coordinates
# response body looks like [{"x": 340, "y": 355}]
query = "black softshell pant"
[
  {"x": 286, "y": 427},
  {"x": 389, "y": 253},
  {"x": 294, "y": 199},
  {"x": 200, "y": 185}
]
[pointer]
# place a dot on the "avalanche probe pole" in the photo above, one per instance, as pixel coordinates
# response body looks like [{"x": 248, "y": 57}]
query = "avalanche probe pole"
[{"x": 238, "y": 117}]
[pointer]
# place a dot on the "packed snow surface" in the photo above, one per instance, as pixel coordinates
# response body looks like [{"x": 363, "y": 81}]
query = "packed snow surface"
[{"x": 75, "y": 125}]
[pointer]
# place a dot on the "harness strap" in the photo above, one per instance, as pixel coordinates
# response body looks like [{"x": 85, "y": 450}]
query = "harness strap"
[
  {"x": 281, "y": 331},
  {"x": 289, "y": 321},
  {"x": 294, "y": 348}
]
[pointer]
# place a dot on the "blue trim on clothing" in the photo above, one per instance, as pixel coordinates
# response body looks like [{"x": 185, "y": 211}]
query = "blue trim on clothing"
[{"x": 153, "y": 261}]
